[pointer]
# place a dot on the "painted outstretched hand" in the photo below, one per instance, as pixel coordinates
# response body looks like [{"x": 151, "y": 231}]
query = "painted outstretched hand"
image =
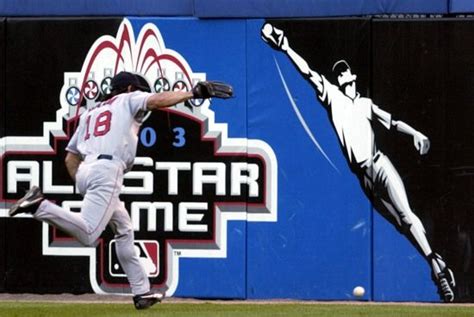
[
  {"x": 422, "y": 143},
  {"x": 274, "y": 37}
]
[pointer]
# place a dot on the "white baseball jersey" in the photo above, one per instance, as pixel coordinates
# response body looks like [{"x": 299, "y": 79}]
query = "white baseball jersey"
[
  {"x": 111, "y": 127},
  {"x": 352, "y": 121}
]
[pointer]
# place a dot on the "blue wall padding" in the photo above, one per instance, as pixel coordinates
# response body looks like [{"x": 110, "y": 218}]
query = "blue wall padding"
[
  {"x": 94, "y": 8},
  {"x": 314, "y": 8},
  {"x": 461, "y": 6},
  {"x": 226, "y": 8},
  {"x": 318, "y": 228}
]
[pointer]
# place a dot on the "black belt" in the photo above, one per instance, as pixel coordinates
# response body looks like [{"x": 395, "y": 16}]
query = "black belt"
[{"x": 105, "y": 157}]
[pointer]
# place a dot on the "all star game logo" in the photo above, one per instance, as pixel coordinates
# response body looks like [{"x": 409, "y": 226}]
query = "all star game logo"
[{"x": 189, "y": 178}]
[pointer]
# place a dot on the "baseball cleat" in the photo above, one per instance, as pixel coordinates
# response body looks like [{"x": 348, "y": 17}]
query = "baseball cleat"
[
  {"x": 445, "y": 283},
  {"x": 28, "y": 204},
  {"x": 147, "y": 300},
  {"x": 272, "y": 35}
]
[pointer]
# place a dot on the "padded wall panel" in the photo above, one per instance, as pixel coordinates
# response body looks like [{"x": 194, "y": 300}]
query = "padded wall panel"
[
  {"x": 454, "y": 233},
  {"x": 417, "y": 53},
  {"x": 426, "y": 84},
  {"x": 461, "y": 6},
  {"x": 310, "y": 8},
  {"x": 324, "y": 219},
  {"x": 96, "y": 8},
  {"x": 2, "y": 148},
  {"x": 217, "y": 57},
  {"x": 38, "y": 52}
]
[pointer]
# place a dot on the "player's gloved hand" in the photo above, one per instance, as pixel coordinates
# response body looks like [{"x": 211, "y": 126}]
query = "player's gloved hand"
[{"x": 210, "y": 89}]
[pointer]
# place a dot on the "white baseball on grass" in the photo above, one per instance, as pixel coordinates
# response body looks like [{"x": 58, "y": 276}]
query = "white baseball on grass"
[{"x": 358, "y": 291}]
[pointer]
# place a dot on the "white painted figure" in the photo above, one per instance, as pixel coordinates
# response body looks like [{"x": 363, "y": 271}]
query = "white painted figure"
[{"x": 352, "y": 117}]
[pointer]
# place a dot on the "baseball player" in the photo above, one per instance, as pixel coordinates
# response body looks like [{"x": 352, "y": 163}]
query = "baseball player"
[
  {"x": 101, "y": 150},
  {"x": 352, "y": 117}
]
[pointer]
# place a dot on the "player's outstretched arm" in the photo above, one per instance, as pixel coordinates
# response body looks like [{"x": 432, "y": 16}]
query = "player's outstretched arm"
[
  {"x": 276, "y": 38},
  {"x": 167, "y": 99},
  {"x": 72, "y": 161},
  {"x": 202, "y": 90},
  {"x": 421, "y": 142}
]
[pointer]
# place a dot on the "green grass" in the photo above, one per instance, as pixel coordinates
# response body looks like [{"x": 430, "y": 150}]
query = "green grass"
[{"x": 31, "y": 309}]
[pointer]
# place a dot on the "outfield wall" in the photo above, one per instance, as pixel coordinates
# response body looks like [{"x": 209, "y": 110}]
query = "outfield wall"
[
  {"x": 302, "y": 227},
  {"x": 226, "y": 9}
]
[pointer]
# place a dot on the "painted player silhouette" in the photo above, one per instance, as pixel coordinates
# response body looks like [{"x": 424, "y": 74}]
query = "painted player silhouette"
[{"x": 352, "y": 117}]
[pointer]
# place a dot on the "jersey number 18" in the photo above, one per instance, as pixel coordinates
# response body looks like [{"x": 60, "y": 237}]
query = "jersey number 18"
[{"x": 101, "y": 125}]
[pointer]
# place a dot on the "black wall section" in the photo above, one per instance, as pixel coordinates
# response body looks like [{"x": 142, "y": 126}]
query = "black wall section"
[
  {"x": 38, "y": 53},
  {"x": 422, "y": 74},
  {"x": 458, "y": 200},
  {"x": 2, "y": 77}
]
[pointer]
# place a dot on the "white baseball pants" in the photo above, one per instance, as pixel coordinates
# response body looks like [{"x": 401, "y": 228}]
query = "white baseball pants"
[{"x": 100, "y": 182}]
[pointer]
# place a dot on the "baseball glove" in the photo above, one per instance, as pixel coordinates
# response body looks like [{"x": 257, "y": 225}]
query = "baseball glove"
[{"x": 210, "y": 89}]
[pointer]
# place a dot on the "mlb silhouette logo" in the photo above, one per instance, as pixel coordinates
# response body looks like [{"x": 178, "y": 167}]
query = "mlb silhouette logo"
[{"x": 148, "y": 254}]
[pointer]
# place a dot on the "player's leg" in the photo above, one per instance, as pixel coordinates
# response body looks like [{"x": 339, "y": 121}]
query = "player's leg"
[
  {"x": 124, "y": 238},
  {"x": 390, "y": 192},
  {"x": 101, "y": 184},
  {"x": 70, "y": 222},
  {"x": 41, "y": 209},
  {"x": 391, "y": 200},
  {"x": 121, "y": 225}
]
